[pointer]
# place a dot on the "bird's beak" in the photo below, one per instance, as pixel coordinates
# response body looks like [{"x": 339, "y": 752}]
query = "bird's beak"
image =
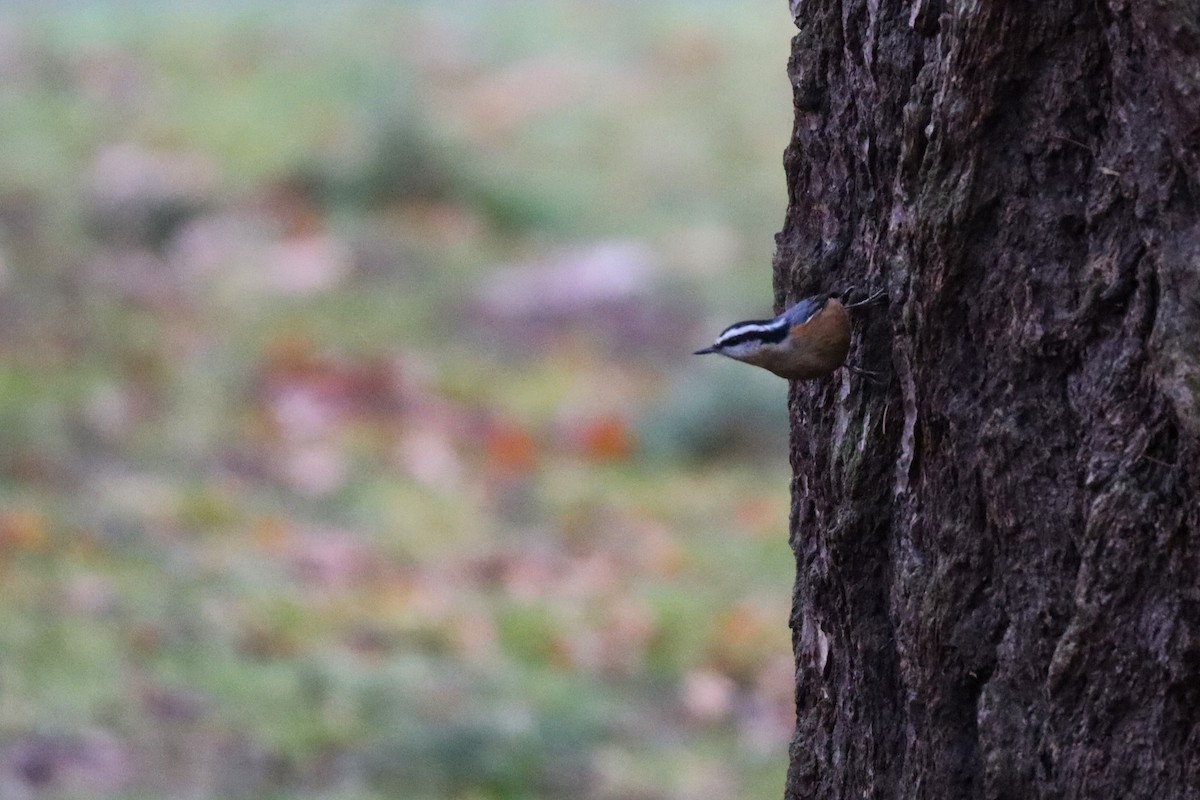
[{"x": 705, "y": 350}]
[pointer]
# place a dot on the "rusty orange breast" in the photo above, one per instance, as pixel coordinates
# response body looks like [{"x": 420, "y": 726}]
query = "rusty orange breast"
[{"x": 820, "y": 345}]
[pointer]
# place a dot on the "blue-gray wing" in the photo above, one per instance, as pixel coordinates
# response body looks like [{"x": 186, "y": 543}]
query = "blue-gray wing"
[{"x": 804, "y": 310}]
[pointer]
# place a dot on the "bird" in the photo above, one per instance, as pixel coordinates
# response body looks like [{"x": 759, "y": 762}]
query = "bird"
[{"x": 810, "y": 340}]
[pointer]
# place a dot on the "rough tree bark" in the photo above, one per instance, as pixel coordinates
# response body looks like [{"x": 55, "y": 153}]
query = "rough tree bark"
[{"x": 998, "y": 544}]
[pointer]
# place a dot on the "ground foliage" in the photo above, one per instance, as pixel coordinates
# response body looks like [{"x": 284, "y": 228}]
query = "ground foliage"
[{"x": 348, "y": 443}]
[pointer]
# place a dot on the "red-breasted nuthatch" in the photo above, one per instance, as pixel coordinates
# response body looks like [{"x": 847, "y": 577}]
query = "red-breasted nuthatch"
[{"x": 809, "y": 340}]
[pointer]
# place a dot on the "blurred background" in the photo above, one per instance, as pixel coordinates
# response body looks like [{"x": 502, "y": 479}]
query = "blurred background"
[{"x": 351, "y": 446}]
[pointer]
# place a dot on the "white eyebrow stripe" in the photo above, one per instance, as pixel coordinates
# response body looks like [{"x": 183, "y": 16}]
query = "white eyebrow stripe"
[{"x": 752, "y": 327}]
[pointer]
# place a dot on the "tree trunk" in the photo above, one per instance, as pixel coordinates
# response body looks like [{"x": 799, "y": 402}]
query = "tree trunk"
[{"x": 998, "y": 543}]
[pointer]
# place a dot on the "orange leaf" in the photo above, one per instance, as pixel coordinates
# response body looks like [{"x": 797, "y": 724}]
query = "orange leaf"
[
  {"x": 606, "y": 439},
  {"x": 509, "y": 447},
  {"x": 22, "y": 531}
]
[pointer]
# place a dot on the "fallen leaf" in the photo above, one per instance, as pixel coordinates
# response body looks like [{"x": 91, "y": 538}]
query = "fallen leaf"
[
  {"x": 22, "y": 531},
  {"x": 607, "y": 438},
  {"x": 509, "y": 448}
]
